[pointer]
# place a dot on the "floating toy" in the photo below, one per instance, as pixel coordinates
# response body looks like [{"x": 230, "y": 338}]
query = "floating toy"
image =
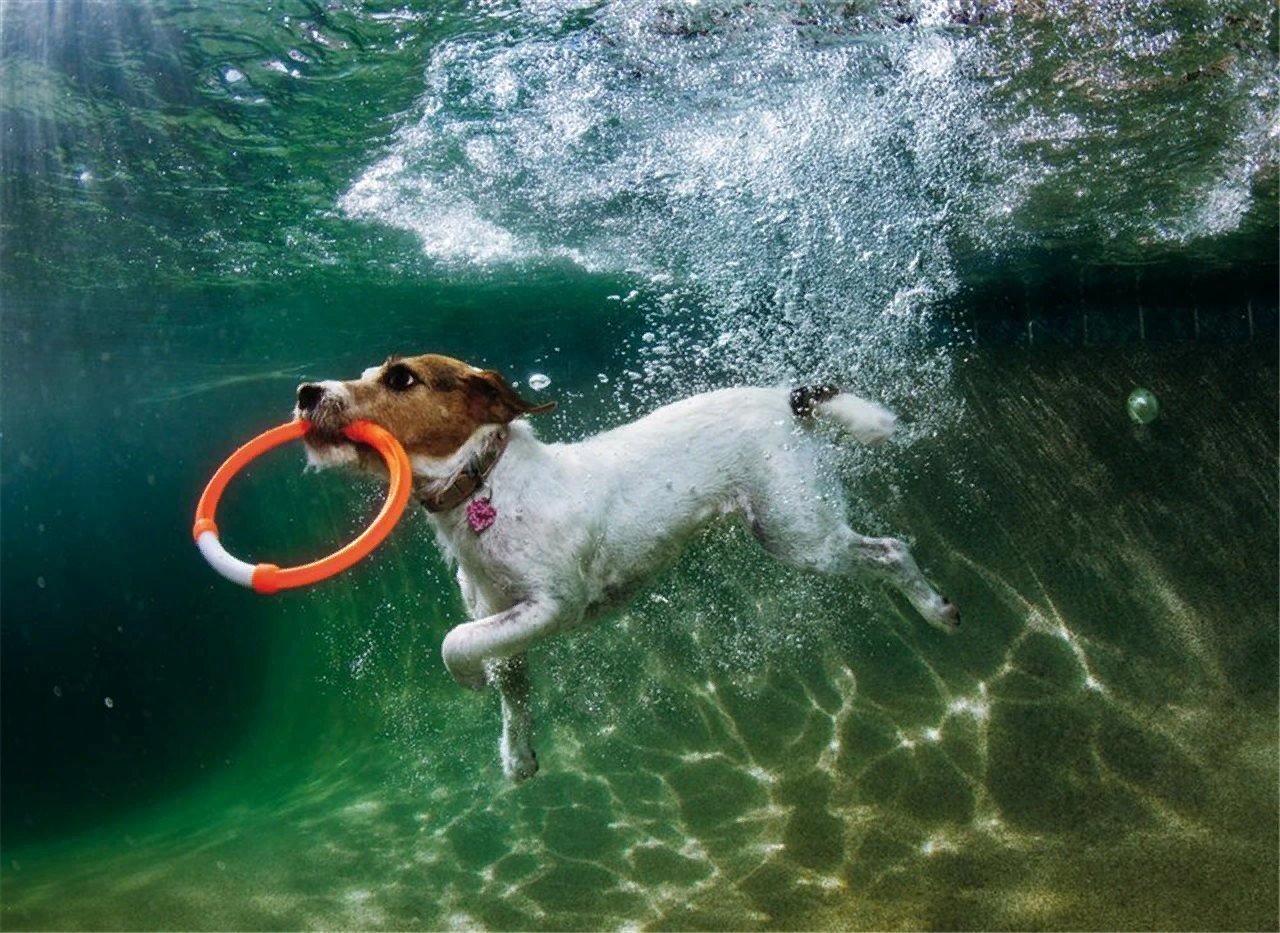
[
  {"x": 268, "y": 578},
  {"x": 1143, "y": 406}
]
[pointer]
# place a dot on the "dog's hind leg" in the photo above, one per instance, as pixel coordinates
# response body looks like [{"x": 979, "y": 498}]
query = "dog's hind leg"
[
  {"x": 889, "y": 559},
  {"x": 511, "y": 678},
  {"x": 809, "y": 534}
]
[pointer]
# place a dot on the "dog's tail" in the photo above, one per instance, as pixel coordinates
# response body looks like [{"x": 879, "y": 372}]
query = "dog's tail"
[{"x": 866, "y": 421}]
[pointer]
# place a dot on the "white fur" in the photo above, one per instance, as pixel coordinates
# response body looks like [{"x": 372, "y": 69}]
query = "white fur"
[
  {"x": 333, "y": 455},
  {"x": 581, "y": 526},
  {"x": 868, "y": 422}
]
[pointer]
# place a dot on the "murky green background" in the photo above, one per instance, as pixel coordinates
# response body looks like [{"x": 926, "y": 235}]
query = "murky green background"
[{"x": 999, "y": 219}]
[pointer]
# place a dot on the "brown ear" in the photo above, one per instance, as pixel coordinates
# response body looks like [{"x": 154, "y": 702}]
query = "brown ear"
[{"x": 490, "y": 398}]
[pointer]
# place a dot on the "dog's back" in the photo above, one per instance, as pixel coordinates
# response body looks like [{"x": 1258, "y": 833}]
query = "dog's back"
[
  {"x": 657, "y": 480},
  {"x": 711, "y": 438}
]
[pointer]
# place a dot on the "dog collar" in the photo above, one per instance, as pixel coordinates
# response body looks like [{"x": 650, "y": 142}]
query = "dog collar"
[{"x": 441, "y": 495}]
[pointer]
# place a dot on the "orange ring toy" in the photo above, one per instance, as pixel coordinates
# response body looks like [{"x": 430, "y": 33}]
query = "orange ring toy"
[{"x": 268, "y": 578}]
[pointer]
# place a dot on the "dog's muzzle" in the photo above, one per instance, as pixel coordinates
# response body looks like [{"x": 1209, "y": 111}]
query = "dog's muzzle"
[{"x": 324, "y": 408}]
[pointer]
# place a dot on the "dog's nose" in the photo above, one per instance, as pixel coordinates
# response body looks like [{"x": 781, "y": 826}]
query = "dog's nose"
[{"x": 309, "y": 395}]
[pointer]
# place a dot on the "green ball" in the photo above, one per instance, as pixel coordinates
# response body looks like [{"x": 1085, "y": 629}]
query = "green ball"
[{"x": 1143, "y": 406}]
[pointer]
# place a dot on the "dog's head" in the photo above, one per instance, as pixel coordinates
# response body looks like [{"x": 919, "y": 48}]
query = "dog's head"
[{"x": 431, "y": 404}]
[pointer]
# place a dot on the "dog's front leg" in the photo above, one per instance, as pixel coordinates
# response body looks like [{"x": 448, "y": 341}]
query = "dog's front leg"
[
  {"x": 473, "y": 646},
  {"x": 511, "y": 678}
]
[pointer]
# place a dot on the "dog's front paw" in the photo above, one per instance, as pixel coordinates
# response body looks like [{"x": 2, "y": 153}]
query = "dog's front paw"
[
  {"x": 471, "y": 679},
  {"x": 519, "y": 762}
]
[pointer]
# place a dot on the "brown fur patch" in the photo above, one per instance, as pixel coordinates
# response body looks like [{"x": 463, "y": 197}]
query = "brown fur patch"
[{"x": 447, "y": 402}]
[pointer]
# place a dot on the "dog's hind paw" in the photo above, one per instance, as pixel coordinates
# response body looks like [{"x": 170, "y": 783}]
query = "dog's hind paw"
[
  {"x": 949, "y": 615},
  {"x": 941, "y": 613}
]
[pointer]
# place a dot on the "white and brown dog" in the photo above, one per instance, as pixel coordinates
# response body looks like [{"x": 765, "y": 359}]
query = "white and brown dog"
[{"x": 549, "y": 537}]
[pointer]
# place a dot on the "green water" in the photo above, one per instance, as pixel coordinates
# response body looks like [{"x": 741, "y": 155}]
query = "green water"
[{"x": 1000, "y": 228}]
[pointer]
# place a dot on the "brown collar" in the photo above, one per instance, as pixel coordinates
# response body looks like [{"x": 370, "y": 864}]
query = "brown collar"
[{"x": 441, "y": 495}]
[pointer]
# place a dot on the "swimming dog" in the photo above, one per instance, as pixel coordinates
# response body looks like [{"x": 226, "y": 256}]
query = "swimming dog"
[{"x": 550, "y": 537}]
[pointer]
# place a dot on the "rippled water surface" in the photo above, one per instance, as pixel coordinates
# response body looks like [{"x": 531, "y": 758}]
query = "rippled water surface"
[{"x": 997, "y": 218}]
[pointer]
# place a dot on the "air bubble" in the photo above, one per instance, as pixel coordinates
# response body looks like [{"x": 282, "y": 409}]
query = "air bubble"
[{"x": 1143, "y": 406}]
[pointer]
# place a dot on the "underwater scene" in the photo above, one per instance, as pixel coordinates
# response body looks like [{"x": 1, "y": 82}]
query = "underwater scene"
[{"x": 1043, "y": 232}]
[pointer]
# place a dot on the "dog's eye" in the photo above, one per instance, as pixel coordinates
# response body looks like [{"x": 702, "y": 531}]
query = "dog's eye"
[{"x": 399, "y": 378}]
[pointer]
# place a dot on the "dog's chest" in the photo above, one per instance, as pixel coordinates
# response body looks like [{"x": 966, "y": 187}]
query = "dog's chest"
[{"x": 497, "y": 552}]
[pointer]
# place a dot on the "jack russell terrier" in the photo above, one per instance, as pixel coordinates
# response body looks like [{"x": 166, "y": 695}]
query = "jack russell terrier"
[{"x": 550, "y": 537}]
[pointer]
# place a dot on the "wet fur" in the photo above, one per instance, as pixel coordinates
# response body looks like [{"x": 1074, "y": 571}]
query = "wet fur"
[{"x": 581, "y": 526}]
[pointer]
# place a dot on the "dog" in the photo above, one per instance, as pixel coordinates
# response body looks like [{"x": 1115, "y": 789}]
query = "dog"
[{"x": 550, "y": 537}]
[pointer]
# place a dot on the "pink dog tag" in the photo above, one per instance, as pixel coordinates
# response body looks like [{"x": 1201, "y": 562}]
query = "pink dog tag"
[{"x": 480, "y": 514}]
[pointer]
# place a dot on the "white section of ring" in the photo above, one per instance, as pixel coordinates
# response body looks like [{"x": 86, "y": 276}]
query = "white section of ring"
[{"x": 237, "y": 571}]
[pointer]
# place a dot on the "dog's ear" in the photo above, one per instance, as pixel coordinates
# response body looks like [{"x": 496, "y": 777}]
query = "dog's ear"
[{"x": 491, "y": 399}]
